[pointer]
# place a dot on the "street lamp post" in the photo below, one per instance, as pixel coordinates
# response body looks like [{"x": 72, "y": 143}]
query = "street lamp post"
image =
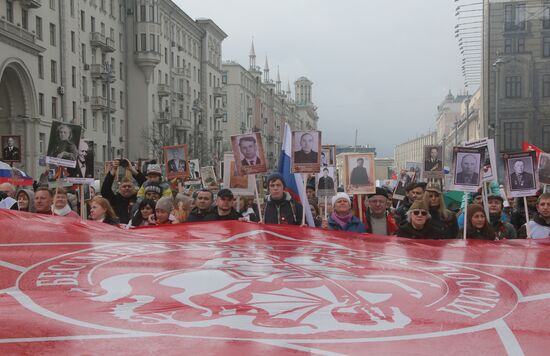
[
  {"x": 467, "y": 102},
  {"x": 107, "y": 76},
  {"x": 496, "y": 67}
]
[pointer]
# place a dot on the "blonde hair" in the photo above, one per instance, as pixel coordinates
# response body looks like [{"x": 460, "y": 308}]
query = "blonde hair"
[
  {"x": 104, "y": 203},
  {"x": 441, "y": 209}
]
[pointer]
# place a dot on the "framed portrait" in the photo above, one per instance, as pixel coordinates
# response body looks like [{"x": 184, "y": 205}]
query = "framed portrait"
[
  {"x": 328, "y": 155},
  {"x": 325, "y": 182},
  {"x": 239, "y": 184},
  {"x": 521, "y": 177},
  {"x": 415, "y": 167},
  {"x": 405, "y": 178},
  {"x": 466, "y": 169},
  {"x": 63, "y": 144},
  {"x": 306, "y": 151},
  {"x": 11, "y": 148},
  {"x": 209, "y": 180},
  {"x": 248, "y": 149},
  {"x": 544, "y": 168},
  {"x": 433, "y": 162},
  {"x": 175, "y": 158},
  {"x": 358, "y": 175},
  {"x": 194, "y": 169},
  {"x": 83, "y": 172},
  {"x": 488, "y": 165}
]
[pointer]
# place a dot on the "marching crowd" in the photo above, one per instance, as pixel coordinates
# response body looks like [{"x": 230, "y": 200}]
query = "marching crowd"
[{"x": 148, "y": 200}]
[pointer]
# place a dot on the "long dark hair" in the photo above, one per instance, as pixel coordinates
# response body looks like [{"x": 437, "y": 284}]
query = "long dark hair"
[
  {"x": 137, "y": 218},
  {"x": 486, "y": 232}
]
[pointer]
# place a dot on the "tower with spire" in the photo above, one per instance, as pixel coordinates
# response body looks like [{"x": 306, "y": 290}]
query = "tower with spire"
[
  {"x": 278, "y": 82},
  {"x": 266, "y": 71},
  {"x": 252, "y": 57}
]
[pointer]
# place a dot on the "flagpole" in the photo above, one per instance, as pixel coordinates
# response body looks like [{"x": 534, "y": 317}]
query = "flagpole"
[
  {"x": 360, "y": 202},
  {"x": 326, "y": 207},
  {"x": 258, "y": 199},
  {"x": 465, "y": 215},
  {"x": 304, "y": 179},
  {"x": 526, "y": 218}
]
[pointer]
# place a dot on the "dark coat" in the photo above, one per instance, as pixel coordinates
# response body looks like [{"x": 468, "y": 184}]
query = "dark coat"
[
  {"x": 122, "y": 206},
  {"x": 302, "y": 157},
  {"x": 461, "y": 178},
  {"x": 355, "y": 225},
  {"x": 522, "y": 181},
  {"x": 359, "y": 176},
  {"x": 283, "y": 211},
  {"x": 408, "y": 231},
  {"x": 197, "y": 215},
  {"x": 77, "y": 171},
  {"x": 445, "y": 229},
  {"x": 326, "y": 183},
  {"x": 244, "y": 162},
  {"x": 214, "y": 216},
  {"x": 12, "y": 155}
]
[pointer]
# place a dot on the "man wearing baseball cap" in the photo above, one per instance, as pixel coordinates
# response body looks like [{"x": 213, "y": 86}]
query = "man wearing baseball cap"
[
  {"x": 379, "y": 220},
  {"x": 224, "y": 207}
]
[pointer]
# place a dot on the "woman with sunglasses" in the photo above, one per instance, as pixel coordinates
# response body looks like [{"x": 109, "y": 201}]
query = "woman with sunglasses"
[
  {"x": 443, "y": 220},
  {"x": 477, "y": 226},
  {"x": 418, "y": 224}
]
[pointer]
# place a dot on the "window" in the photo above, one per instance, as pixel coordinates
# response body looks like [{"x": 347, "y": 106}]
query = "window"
[
  {"x": 39, "y": 28},
  {"x": 84, "y": 86},
  {"x": 9, "y": 11},
  {"x": 52, "y": 4},
  {"x": 41, "y": 104},
  {"x": 83, "y": 54},
  {"x": 546, "y": 138},
  {"x": 142, "y": 13},
  {"x": 40, "y": 67},
  {"x": 546, "y": 85},
  {"x": 53, "y": 71},
  {"x": 102, "y": 27},
  {"x": 521, "y": 45},
  {"x": 165, "y": 55},
  {"x": 72, "y": 41},
  {"x": 121, "y": 127},
  {"x": 84, "y": 118},
  {"x": 120, "y": 70},
  {"x": 102, "y": 5},
  {"x": 25, "y": 19},
  {"x": 52, "y": 34},
  {"x": 73, "y": 76},
  {"x": 74, "y": 110},
  {"x": 104, "y": 123},
  {"x": 513, "y": 135},
  {"x": 71, "y": 6},
  {"x": 546, "y": 46},
  {"x": 121, "y": 99},
  {"x": 92, "y": 24},
  {"x": 514, "y": 17},
  {"x": 54, "y": 107},
  {"x": 152, "y": 13},
  {"x": 104, "y": 153},
  {"x": 82, "y": 20},
  {"x": 152, "y": 39},
  {"x": 513, "y": 87},
  {"x": 546, "y": 17},
  {"x": 42, "y": 142},
  {"x": 113, "y": 126},
  {"x": 143, "y": 42},
  {"x": 94, "y": 120}
]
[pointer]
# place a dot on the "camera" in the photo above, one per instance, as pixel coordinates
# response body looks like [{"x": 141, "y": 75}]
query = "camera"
[{"x": 124, "y": 163}]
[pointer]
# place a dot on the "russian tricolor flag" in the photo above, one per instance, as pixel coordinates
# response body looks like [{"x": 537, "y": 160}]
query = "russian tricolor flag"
[
  {"x": 13, "y": 175},
  {"x": 294, "y": 181}
]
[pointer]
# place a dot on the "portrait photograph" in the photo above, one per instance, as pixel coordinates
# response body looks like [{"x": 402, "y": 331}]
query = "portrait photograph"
[
  {"x": 359, "y": 177},
  {"x": 83, "y": 172},
  {"x": 488, "y": 164},
  {"x": 405, "y": 178},
  {"x": 63, "y": 144},
  {"x": 520, "y": 174},
  {"x": 467, "y": 168},
  {"x": 175, "y": 158},
  {"x": 194, "y": 169},
  {"x": 306, "y": 151},
  {"x": 209, "y": 180},
  {"x": 248, "y": 150},
  {"x": 433, "y": 162},
  {"x": 544, "y": 168},
  {"x": 239, "y": 184},
  {"x": 328, "y": 155},
  {"x": 325, "y": 182},
  {"x": 11, "y": 148},
  {"x": 415, "y": 167}
]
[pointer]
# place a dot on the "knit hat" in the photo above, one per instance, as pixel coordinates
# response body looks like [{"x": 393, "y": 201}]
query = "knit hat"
[
  {"x": 225, "y": 193},
  {"x": 339, "y": 196},
  {"x": 154, "y": 169},
  {"x": 495, "y": 196},
  {"x": 433, "y": 187},
  {"x": 380, "y": 191},
  {"x": 417, "y": 205},
  {"x": 276, "y": 176},
  {"x": 155, "y": 188},
  {"x": 165, "y": 203}
]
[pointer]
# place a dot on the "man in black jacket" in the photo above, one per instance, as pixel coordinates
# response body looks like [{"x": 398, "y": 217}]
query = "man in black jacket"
[
  {"x": 203, "y": 205},
  {"x": 125, "y": 198},
  {"x": 280, "y": 208},
  {"x": 224, "y": 207}
]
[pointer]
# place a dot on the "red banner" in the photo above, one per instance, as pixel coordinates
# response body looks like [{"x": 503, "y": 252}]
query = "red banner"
[{"x": 72, "y": 287}]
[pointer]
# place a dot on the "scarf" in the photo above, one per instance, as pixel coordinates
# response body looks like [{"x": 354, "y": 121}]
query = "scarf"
[
  {"x": 63, "y": 211},
  {"x": 341, "y": 220}
]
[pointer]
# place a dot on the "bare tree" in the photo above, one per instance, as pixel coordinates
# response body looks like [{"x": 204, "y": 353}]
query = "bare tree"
[{"x": 156, "y": 137}]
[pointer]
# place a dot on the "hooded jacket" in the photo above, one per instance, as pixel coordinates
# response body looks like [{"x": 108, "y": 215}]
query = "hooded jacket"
[
  {"x": 30, "y": 196},
  {"x": 538, "y": 228},
  {"x": 283, "y": 211}
]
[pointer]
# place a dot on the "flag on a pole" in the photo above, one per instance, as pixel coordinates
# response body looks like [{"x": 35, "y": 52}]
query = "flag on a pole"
[
  {"x": 529, "y": 147},
  {"x": 294, "y": 181},
  {"x": 14, "y": 176}
]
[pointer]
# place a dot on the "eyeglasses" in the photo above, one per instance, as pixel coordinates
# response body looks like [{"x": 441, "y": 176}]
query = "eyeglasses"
[{"x": 420, "y": 212}]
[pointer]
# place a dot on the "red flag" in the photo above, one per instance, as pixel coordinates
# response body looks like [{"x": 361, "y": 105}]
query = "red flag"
[
  {"x": 246, "y": 288},
  {"x": 529, "y": 147}
]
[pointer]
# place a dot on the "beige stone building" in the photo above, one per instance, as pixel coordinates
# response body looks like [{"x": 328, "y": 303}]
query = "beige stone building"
[
  {"x": 255, "y": 102},
  {"x": 413, "y": 150},
  {"x": 164, "y": 85}
]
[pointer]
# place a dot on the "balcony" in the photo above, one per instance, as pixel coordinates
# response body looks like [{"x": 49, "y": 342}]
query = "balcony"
[
  {"x": 219, "y": 113},
  {"x": 163, "y": 117},
  {"x": 163, "y": 89},
  {"x": 183, "y": 125},
  {"x": 99, "y": 40},
  {"x": 218, "y": 135},
  {"x": 218, "y": 92},
  {"x": 24, "y": 39},
  {"x": 178, "y": 71},
  {"x": 100, "y": 103},
  {"x": 31, "y": 4},
  {"x": 147, "y": 58},
  {"x": 96, "y": 71}
]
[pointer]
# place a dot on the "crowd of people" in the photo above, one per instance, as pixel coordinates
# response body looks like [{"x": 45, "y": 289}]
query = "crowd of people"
[{"x": 148, "y": 200}]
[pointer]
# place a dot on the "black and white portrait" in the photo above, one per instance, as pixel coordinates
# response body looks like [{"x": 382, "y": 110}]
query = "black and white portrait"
[
  {"x": 249, "y": 153},
  {"x": 326, "y": 182},
  {"x": 11, "y": 148},
  {"x": 176, "y": 161},
  {"x": 488, "y": 163},
  {"x": 194, "y": 169},
  {"x": 406, "y": 177},
  {"x": 63, "y": 144},
  {"x": 544, "y": 168},
  {"x": 416, "y": 168},
  {"x": 521, "y": 178},
  {"x": 433, "y": 162},
  {"x": 306, "y": 151},
  {"x": 84, "y": 162},
  {"x": 467, "y": 168},
  {"x": 328, "y": 155},
  {"x": 359, "y": 173}
]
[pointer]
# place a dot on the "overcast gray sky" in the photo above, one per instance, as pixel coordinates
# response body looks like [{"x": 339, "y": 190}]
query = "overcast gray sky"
[{"x": 379, "y": 66}]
